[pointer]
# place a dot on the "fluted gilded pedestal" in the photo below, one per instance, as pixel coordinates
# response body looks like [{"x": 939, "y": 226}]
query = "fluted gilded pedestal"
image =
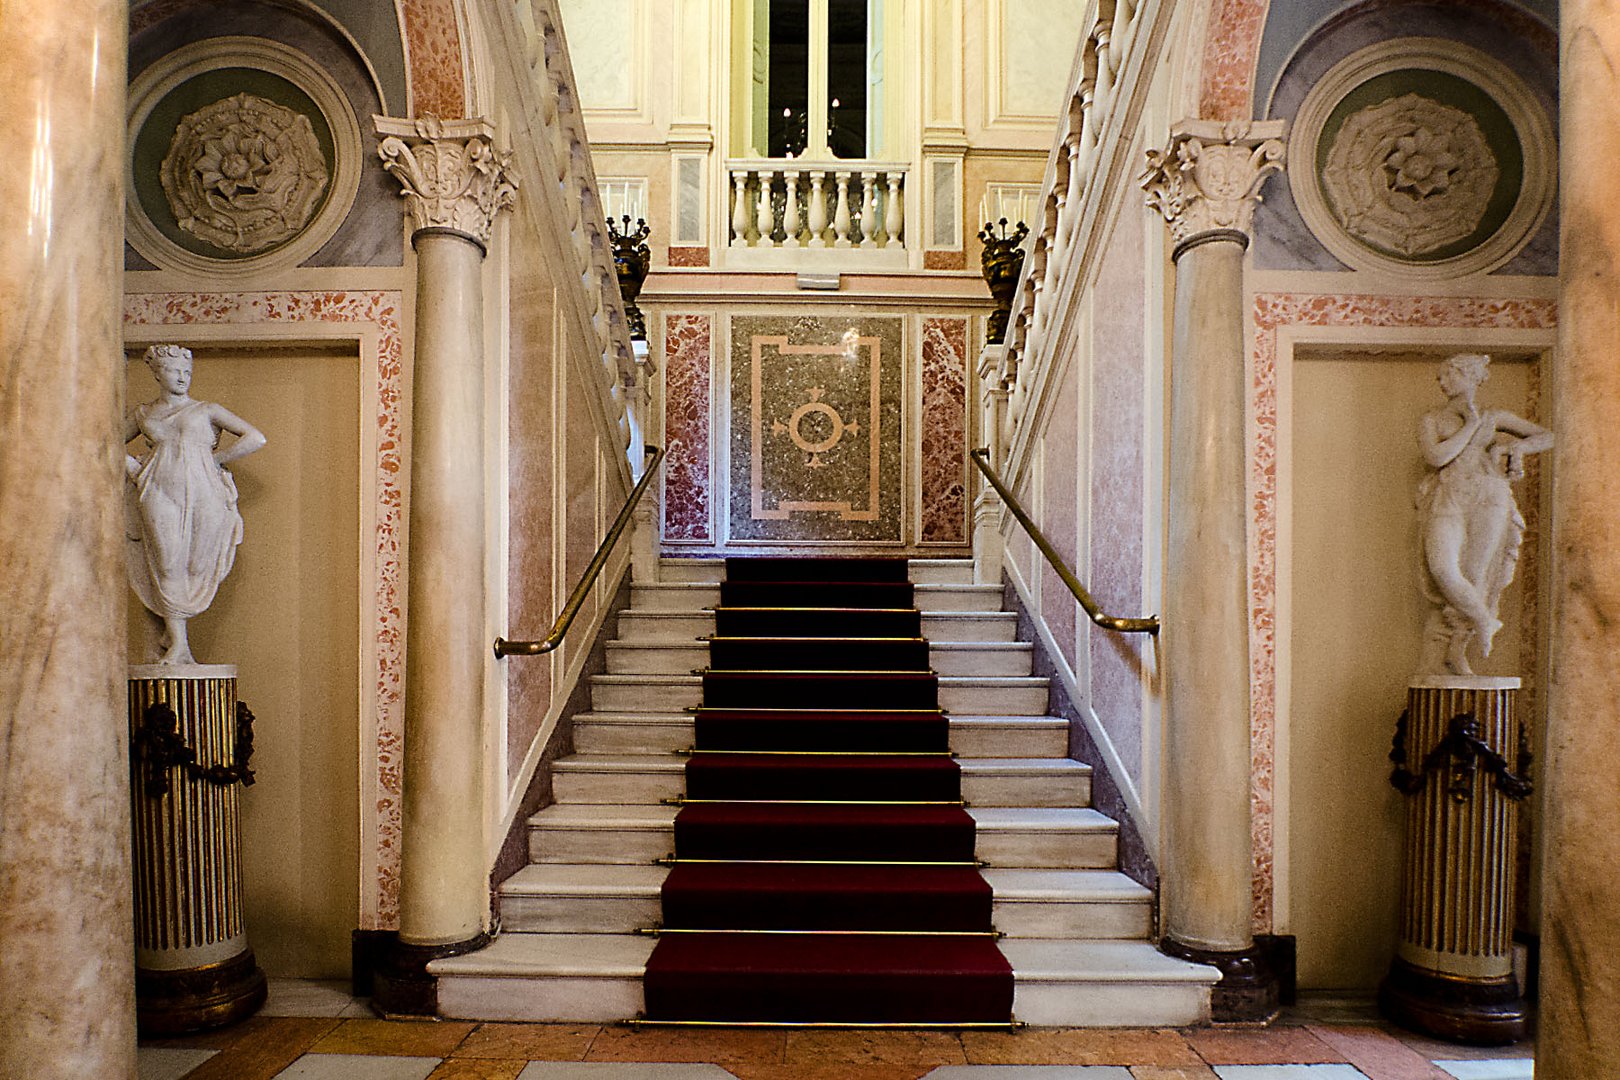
[
  {"x": 190, "y": 745},
  {"x": 1461, "y": 760}
]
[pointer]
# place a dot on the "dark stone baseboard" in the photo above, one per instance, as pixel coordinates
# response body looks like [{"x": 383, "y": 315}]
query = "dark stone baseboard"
[
  {"x": 1248, "y": 992},
  {"x": 400, "y": 983}
]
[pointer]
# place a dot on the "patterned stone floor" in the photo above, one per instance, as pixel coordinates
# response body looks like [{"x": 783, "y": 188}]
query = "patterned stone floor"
[{"x": 316, "y": 1031}]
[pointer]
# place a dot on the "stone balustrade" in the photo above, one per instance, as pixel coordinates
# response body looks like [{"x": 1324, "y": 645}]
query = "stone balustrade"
[{"x": 793, "y": 203}]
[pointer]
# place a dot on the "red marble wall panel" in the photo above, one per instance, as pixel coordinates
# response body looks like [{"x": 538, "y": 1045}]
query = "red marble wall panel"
[
  {"x": 944, "y": 431},
  {"x": 1231, "y": 45},
  {"x": 688, "y": 367},
  {"x": 433, "y": 57}
]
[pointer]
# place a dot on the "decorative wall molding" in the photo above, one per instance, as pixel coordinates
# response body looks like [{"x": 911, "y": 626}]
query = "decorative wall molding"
[
  {"x": 1208, "y": 178},
  {"x": 451, "y": 174}
]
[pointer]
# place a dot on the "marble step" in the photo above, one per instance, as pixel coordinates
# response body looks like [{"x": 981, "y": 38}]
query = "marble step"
[
  {"x": 709, "y": 570},
  {"x": 624, "y": 779},
  {"x": 923, "y": 571},
  {"x": 596, "y": 978},
  {"x": 971, "y": 736},
  {"x": 978, "y": 695},
  {"x": 633, "y": 657},
  {"x": 602, "y": 899},
  {"x": 958, "y": 597},
  {"x": 938, "y": 626},
  {"x": 689, "y": 596},
  {"x": 1058, "y": 838}
]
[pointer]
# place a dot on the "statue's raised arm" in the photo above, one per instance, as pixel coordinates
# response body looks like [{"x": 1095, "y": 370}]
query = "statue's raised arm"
[
  {"x": 183, "y": 521},
  {"x": 1471, "y": 526}
]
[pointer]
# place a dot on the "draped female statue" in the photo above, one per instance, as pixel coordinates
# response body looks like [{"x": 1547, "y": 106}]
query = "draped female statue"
[
  {"x": 181, "y": 501},
  {"x": 1470, "y": 524}
]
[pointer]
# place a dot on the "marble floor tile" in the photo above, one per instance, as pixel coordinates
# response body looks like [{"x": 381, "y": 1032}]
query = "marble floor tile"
[
  {"x": 1377, "y": 1053},
  {"x": 1488, "y": 1069},
  {"x": 873, "y": 1048},
  {"x": 720, "y": 1045},
  {"x": 616, "y": 1070},
  {"x": 1331, "y": 1008},
  {"x": 531, "y": 1042},
  {"x": 1029, "y": 1072},
  {"x": 1172, "y": 1072},
  {"x": 1268, "y": 1046},
  {"x": 1079, "y": 1046},
  {"x": 832, "y": 1070},
  {"x": 358, "y": 1067},
  {"x": 168, "y": 1063},
  {"x": 478, "y": 1069},
  {"x": 269, "y": 1045},
  {"x": 397, "y": 1038},
  {"x": 1289, "y": 1072},
  {"x": 307, "y": 997}
]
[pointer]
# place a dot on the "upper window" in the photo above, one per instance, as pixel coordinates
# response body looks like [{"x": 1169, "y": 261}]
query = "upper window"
[{"x": 817, "y": 73}]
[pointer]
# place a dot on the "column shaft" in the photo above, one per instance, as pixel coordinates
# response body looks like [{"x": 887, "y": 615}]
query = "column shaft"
[
  {"x": 1580, "y": 935},
  {"x": 67, "y": 1006},
  {"x": 1207, "y": 856},
  {"x": 444, "y": 877}
]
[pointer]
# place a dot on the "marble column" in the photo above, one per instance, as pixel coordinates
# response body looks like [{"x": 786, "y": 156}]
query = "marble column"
[
  {"x": 1207, "y": 183},
  {"x": 1580, "y": 932},
  {"x": 67, "y": 973},
  {"x": 455, "y": 182}
]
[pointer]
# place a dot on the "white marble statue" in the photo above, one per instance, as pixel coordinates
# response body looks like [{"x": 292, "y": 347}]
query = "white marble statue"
[
  {"x": 1470, "y": 524},
  {"x": 183, "y": 526}
]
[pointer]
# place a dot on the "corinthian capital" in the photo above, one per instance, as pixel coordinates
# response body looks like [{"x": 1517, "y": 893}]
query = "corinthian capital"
[
  {"x": 452, "y": 175},
  {"x": 1208, "y": 179}
]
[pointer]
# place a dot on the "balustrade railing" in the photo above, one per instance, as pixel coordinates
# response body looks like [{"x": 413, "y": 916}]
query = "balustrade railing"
[{"x": 795, "y": 203}]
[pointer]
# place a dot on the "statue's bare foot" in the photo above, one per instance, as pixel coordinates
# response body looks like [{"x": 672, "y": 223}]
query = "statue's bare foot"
[
  {"x": 1485, "y": 630},
  {"x": 1457, "y": 655}
]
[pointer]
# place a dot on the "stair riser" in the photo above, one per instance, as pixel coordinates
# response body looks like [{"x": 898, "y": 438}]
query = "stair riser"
[
  {"x": 968, "y": 742},
  {"x": 644, "y": 697},
  {"x": 941, "y": 573},
  {"x": 1016, "y": 662},
  {"x": 993, "y": 700},
  {"x": 976, "y": 742},
  {"x": 580, "y": 999},
  {"x": 1026, "y": 790},
  {"x": 688, "y": 626},
  {"x": 622, "y": 847},
  {"x": 652, "y": 598},
  {"x": 616, "y": 788},
  {"x": 1048, "y": 850},
  {"x": 706, "y": 570},
  {"x": 629, "y": 914},
  {"x": 958, "y": 598},
  {"x": 990, "y": 626},
  {"x": 665, "y": 660},
  {"x": 674, "y": 629},
  {"x": 1109, "y": 1004}
]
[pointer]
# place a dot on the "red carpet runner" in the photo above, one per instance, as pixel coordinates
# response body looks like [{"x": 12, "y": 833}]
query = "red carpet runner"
[{"x": 823, "y": 861}]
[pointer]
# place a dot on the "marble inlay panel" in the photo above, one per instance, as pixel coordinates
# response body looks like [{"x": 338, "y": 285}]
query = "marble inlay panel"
[
  {"x": 433, "y": 45},
  {"x": 380, "y": 829},
  {"x": 1271, "y": 312},
  {"x": 1232, "y": 42},
  {"x": 688, "y": 354},
  {"x": 944, "y": 431},
  {"x": 816, "y": 428}
]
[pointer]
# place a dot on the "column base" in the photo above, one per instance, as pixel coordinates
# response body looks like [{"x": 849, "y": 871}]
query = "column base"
[
  {"x": 1480, "y": 1012},
  {"x": 195, "y": 999},
  {"x": 401, "y": 985},
  {"x": 1249, "y": 990}
]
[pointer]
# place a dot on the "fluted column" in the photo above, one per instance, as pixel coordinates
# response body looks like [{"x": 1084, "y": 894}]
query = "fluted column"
[
  {"x": 67, "y": 996},
  {"x": 1206, "y": 183},
  {"x": 454, "y": 182},
  {"x": 1580, "y": 885}
]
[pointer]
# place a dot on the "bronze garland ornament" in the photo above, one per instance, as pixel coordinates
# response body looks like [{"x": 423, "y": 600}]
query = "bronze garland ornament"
[
  {"x": 159, "y": 745},
  {"x": 1460, "y": 754}
]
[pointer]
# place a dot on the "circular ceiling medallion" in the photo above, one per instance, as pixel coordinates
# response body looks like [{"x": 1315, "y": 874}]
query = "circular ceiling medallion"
[
  {"x": 244, "y": 158},
  {"x": 1422, "y": 158}
]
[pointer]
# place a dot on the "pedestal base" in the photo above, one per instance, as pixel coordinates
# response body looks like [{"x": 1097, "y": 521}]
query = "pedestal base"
[
  {"x": 1481, "y": 1012},
  {"x": 192, "y": 999},
  {"x": 1249, "y": 990}
]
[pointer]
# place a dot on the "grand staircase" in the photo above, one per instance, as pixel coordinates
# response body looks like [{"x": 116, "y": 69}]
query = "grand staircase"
[{"x": 575, "y": 943}]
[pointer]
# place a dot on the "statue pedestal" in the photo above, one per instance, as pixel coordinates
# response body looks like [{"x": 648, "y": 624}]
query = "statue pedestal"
[
  {"x": 190, "y": 742},
  {"x": 1458, "y": 757}
]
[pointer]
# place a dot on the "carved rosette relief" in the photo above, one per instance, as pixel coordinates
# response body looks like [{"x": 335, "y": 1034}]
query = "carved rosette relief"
[
  {"x": 451, "y": 174},
  {"x": 1209, "y": 177},
  {"x": 1410, "y": 175},
  {"x": 244, "y": 174}
]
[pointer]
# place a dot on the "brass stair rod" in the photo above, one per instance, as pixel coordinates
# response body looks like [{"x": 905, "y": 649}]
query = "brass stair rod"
[
  {"x": 1148, "y": 625},
  {"x": 576, "y": 599}
]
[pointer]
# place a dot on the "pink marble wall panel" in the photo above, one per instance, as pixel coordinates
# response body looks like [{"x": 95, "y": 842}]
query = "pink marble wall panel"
[
  {"x": 944, "y": 431},
  {"x": 688, "y": 360},
  {"x": 1060, "y": 516},
  {"x": 433, "y": 57},
  {"x": 1231, "y": 45},
  {"x": 1271, "y": 312},
  {"x": 531, "y": 446},
  {"x": 381, "y": 752},
  {"x": 1118, "y": 375}
]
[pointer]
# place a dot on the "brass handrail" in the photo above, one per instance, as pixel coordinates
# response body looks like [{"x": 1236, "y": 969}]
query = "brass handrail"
[
  {"x": 1148, "y": 625},
  {"x": 576, "y": 599}
]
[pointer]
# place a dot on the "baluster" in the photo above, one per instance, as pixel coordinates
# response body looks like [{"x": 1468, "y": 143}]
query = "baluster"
[
  {"x": 1088, "y": 126},
  {"x": 1105, "y": 67},
  {"x": 766, "y": 220},
  {"x": 869, "y": 214},
  {"x": 790, "y": 211},
  {"x": 841, "y": 215},
  {"x": 894, "y": 217},
  {"x": 739, "y": 210},
  {"x": 818, "y": 210}
]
